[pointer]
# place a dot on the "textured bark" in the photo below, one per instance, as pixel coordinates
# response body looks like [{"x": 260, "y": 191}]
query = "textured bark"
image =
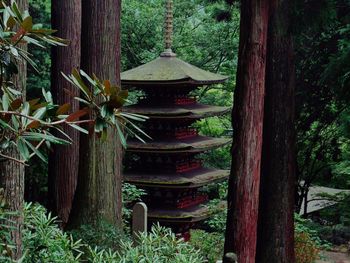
[
  {"x": 276, "y": 242},
  {"x": 247, "y": 117},
  {"x": 64, "y": 160},
  {"x": 98, "y": 194},
  {"x": 11, "y": 173}
]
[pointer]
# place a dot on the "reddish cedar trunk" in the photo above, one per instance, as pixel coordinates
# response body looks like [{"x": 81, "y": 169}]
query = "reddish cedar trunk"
[
  {"x": 12, "y": 181},
  {"x": 276, "y": 242},
  {"x": 11, "y": 173},
  {"x": 247, "y": 118},
  {"x": 98, "y": 193},
  {"x": 64, "y": 160}
]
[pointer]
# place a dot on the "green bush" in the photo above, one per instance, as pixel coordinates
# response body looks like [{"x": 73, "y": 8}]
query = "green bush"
[
  {"x": 131, "y": 194},
  {"x": 43, "y": 241},
  {"x": 103, "y": 236},
  {"x": 306, "y": 250},
  {"x": 211, "y": 245},
  {"x": 308, "y": 227},
  {"x": 307, "y": 241},
  {"x": 159, "y": 245}
]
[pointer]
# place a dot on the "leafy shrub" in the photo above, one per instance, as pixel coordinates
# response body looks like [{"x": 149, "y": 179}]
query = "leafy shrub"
[
  {"x": 307, "y": 226},
  {"x": 102, "y": 236},
  {"x": 131, "y": 194},
  {"x": 307, "y": 241},
  {"x": 306, "y": 250},
  {"x": 159, "y": 245},
  {"x": 217, "y": 222},
  {"x": 43, "y": 241},
  {"x": 211, "y": 245}
]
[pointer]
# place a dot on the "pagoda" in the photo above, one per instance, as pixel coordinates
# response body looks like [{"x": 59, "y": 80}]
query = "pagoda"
[{"x": 169, "y": 166}]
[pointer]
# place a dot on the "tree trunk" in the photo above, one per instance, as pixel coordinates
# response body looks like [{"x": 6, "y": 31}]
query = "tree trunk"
[
  {"x": 12, "y": 173},
  {"x": 64, "y": 160},
  {"x": 247, "y": 118},
  {"x": 276, "y": 210},
  {"x": 98, "y": 194}
]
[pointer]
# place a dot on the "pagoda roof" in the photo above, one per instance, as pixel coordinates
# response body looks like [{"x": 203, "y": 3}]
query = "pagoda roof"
[
  {"x": 186, "y": 215},
  {"x": 192, "y": 145},
  {"x": 168, "y": 69},
  {"x": 194, "y": 111},
  {"x": 193, "y": 179}
]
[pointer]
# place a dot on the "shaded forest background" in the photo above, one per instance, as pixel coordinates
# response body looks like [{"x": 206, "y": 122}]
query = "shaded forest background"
[{"x": 207, "y": 36}]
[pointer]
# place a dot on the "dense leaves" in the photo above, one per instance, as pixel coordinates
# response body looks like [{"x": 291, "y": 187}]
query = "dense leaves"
[{"x": 322, "y": 47}]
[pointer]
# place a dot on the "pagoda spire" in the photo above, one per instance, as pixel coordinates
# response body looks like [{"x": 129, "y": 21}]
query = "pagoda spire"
[{"x": 168, "y": 29}]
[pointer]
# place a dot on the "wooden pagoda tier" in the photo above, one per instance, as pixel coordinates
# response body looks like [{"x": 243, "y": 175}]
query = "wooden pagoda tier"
[
  {"x": 168, "y": 70},
  {"x": 196, "y": 144},
  {"x": 192, "y": 111},
  {"x": 169, "y": 167},
  {"x": 187, "y": 180}
]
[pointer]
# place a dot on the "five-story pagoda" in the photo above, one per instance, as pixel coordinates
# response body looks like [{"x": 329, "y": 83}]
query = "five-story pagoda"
[{"x": 168, "y": 167}]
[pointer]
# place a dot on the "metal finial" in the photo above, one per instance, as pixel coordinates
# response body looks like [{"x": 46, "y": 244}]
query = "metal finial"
[{"x": 168, "y": 29}]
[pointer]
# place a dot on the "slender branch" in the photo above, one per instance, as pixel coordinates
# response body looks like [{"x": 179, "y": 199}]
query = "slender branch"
[
  {"x": 37, "y": 147},
  {"x": 13, "y": 159},
  {"x": 43, "y": 122}
]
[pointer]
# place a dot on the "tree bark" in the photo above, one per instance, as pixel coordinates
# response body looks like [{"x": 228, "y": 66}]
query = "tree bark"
[
  {"x": 64, "y": 160},
  {"x": 276, "y": 210},
  {"x": 98, "y": 194},
  {"x": 12, "y": 173},
  {"x": 247, "y": 118}
]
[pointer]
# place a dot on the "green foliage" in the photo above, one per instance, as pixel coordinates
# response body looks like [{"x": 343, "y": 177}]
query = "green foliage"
[
  {"x": 159, "y": 245},
  {"x": 20, "y": 120},
  {"x": 307, "y": 240},
  {"x": 306, "y": 226},
  {"x": 217, "y": 222},
  {"x": 103, "y": 236},
  {"x": 210, "y": 245},
  {"x": 103, "y": 100},
  {"x": 40, "y": 11},
  {"x": 130, "y": 194},
  {"x": 322, "y": 95},
  {"x": 306, "y": 251},
  {"x": 25, "y": 124},
  {"x": 43, "y": 241}
]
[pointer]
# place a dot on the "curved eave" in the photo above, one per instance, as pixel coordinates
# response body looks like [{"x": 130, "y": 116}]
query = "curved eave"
[
  {"x": 165, "y": 70},
  {"x": 188, "y": 215},
  {"x": 193, "y": 145},
  {"x": 193, "y": 179},
  {"x": 196, "y": 111},
  {"x": 175, "y": 83}
]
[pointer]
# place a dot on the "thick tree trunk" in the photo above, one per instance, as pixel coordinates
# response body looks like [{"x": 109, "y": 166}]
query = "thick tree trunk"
[
  {"x": 276, "y": 242},
  {"x": 98, "y": 194},
  {"x": 247, "y": 118},
  {"x": 12, "y": 181},
  {"x": 12, "y": 173},
  {"x": 64, "y": 160}
]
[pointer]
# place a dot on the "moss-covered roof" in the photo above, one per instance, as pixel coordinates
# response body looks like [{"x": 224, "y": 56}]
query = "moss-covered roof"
[
  {"x": 169, "y": 69},
  {"x": 193, "y": 145},
  {"x": 187, "y": 215},
  {"x": 194, "y": 111},
  {"x": 193, "y": 179}
]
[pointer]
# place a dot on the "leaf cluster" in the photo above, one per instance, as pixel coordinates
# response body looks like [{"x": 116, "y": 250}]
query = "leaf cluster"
[{"x": 28, "y": 125}]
